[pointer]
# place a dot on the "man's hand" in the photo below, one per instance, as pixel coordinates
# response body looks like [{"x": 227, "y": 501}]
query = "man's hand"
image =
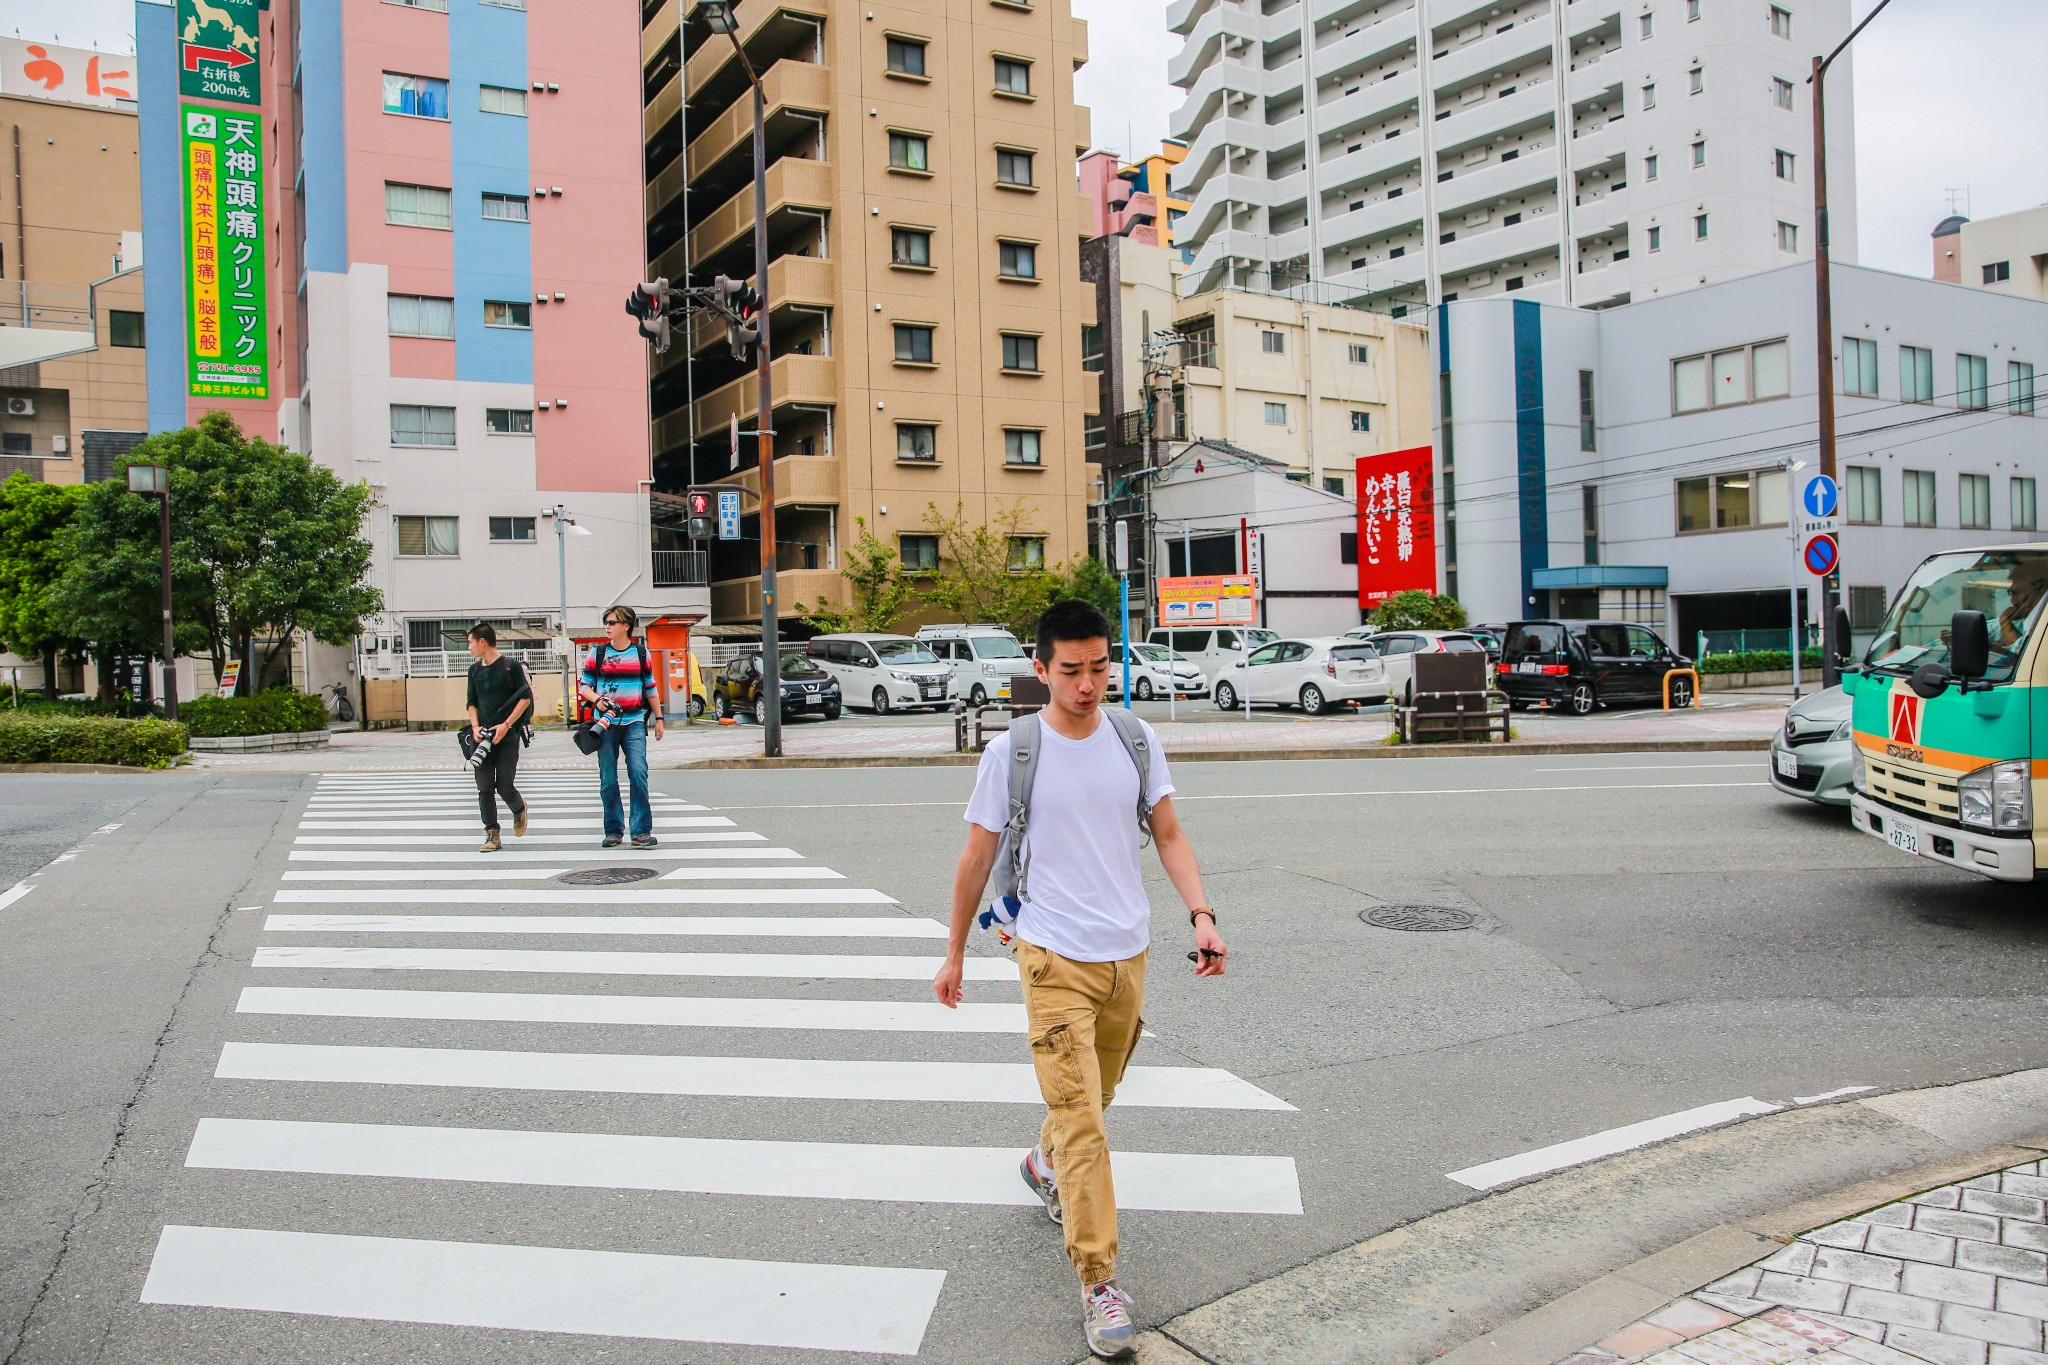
[
  {"x": 660, "y": 730},
  {"x": 1208, "y": 941},
  {"x": 946, "y": 985},
  {"x": 476, "y": 730}
]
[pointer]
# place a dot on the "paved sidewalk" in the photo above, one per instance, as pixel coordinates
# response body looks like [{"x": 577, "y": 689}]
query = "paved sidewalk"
[{"x": 1955, "y": 1276}]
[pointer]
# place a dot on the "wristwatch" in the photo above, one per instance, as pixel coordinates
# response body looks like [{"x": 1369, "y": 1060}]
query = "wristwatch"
[{"x": 1202, "y": 910}]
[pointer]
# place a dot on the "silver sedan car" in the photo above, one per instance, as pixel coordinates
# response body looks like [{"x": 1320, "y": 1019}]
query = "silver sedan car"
[{"x": 1811, "y": 753}]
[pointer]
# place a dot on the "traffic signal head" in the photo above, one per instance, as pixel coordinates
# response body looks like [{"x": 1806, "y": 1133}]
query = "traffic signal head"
[
  {"x": 650, "y": 302},
  {"x": 737, "y": 296},
  {"x": 743, "y": 336},
  {"x": 701, "y": 522}
]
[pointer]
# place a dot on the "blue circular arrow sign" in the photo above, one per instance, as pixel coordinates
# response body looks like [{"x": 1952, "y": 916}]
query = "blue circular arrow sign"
[
  {"x": 1820, "y": 496},
  {"x": 1822, "y": 555}
]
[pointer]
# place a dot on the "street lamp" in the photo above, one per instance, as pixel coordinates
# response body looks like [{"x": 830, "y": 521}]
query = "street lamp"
[
  {"x": 564, "y": 528},
  {"x": 1824, "y": 338},
  {"x": 154, "y": 480},
  {"x": 719, "y": 18}
]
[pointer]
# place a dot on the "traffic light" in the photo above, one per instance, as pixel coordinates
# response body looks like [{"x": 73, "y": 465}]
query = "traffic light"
[
  {"x": 702, "y": 520},
  {"x": 650, "y": 302},
  {"x": 741, "y": 303}
]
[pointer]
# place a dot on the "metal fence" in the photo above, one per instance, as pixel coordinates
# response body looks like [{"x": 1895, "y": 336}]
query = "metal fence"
[
  {"x": 454, "y": 663},
  {"x": 681, "y": 568},
  {"x": 1748, "y": 641},
  {"x": 33, "y": 303}
]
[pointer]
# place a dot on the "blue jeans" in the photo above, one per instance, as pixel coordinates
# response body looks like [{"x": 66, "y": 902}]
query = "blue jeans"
[{"x": 633, "y": 740}]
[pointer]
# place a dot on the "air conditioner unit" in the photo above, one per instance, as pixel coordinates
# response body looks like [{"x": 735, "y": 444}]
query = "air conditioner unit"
[
  {"x": 21, "y": 407},
  {"x": 60, "y": 445}
]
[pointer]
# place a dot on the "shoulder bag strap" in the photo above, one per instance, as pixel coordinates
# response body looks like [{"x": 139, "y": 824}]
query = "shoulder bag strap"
[{"x": 1024, "y": 751}]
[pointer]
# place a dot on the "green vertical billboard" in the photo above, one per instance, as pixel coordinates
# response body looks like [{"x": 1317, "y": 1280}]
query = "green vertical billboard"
[
  {"x": 217, "y": 51},
  {"x": 227, "y": 310}
]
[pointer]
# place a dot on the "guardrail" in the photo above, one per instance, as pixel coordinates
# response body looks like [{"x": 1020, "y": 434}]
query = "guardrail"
[
  {"x": 682, "y": 569},
  {"x": 33, "y": 303}
]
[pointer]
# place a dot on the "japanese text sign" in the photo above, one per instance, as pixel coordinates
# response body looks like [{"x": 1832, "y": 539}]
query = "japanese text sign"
[
  {"x": 45, "y": 71},
  {"x": 217, "y": 50},
  {"x": 226, "y": 301},
  {"x": 1225, "y": 600},
  {"x": 1396, "y": 524}
]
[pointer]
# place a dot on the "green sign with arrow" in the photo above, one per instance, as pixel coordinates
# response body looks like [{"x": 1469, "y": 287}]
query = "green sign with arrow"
[{"x": 217, "y": 50}]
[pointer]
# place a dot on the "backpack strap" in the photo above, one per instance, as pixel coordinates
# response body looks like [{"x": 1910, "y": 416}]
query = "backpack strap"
[
  {"x": 1131, "y": 731},
  {"x": 1013, "y": 869}
]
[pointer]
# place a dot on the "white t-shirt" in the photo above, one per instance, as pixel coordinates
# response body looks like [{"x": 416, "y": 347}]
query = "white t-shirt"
[{"x": 1087, "y": 891}]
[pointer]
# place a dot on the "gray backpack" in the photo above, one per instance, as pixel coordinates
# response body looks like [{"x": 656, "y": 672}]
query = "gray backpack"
[{"x": 1012, "y": 872}]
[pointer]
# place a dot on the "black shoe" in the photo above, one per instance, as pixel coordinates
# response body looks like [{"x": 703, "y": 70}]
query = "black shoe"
[
  {"x": 611, "y": 841},
  {"x": 646, "y": 841}
]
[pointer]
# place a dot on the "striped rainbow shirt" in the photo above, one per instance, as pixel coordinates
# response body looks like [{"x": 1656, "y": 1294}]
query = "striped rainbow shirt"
[{"x": 616, "y": 677}]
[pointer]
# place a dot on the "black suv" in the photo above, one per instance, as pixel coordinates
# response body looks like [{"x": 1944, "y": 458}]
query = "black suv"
[
  {"x": 1577, "y": 666},
  {"x": 806, "y": 688}
]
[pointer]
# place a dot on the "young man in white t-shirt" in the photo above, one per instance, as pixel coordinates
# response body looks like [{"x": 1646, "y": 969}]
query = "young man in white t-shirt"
[{"x": 1081, "y": 933}]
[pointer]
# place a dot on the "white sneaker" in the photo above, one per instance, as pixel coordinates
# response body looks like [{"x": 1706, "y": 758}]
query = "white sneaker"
[{"x": 1106, "y": 1314}]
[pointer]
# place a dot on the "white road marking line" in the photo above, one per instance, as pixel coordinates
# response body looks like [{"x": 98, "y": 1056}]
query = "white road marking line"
[
  {"x": 589, "y": 895},
  {"x": 1833, "y": 1094},
  {"x": 667, "y": 1011},
  {"x": 1648, "y": 767},
  {"x": 577, "y": 855},
  {"x": 546, "y": 1289},
  {"x": 458, "y": 809},
  {"x": 1762, "y": 745},
  {"x": 594, "y": 825},
  {"x": 15, "y": 893},
  {"x": 612, "y": 1073},
  {"x": 699, "y": 926},
  {"x": 107, "y": 829},
  {"x": 800, "y": 966},
  {"x": 580, "y": 840},
  {"x": 1493, "y": 1174},
  {"x": 469, "y": 874},
  {"x": 1176, "y": 1182}
]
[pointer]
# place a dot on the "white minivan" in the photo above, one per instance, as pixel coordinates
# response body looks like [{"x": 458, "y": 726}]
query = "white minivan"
[
  {"x": 883, "y": 672},
  {"x": 984, "y": 659},
  {"x": 1211, "y": 648}
]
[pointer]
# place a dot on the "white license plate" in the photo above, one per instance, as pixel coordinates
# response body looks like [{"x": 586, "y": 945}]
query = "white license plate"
[
  {"x": 1528, "y": 668},
  {"x": 1904, "y": 840},
  {"x": 1788, "y": 764}
]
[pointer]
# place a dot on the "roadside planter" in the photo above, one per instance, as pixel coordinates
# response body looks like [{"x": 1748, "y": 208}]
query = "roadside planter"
[{"x": 279, "y": 719}]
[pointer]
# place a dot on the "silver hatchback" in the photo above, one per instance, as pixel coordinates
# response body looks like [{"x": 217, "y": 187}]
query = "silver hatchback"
[{"x": 1813, "y": 751}]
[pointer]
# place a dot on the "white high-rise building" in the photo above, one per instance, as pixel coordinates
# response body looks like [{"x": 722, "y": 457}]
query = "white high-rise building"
[{"x": 1588, "y": 152}]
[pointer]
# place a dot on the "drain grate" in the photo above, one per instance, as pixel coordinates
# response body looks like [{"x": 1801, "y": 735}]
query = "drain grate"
[
  {"x": 606, "y": 876},
  {"x": 1419, "y": 919}
]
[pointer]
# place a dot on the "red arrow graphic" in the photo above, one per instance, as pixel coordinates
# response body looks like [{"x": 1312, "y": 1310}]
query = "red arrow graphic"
[{"x": 224, "y": 56}]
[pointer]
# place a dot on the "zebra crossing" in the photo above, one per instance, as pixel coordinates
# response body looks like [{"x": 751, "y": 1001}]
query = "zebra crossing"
[{"x": 402, "y": 978}]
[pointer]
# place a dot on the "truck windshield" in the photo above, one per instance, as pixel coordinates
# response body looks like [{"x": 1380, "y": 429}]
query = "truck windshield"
[{"x": 2008, "y": 586}]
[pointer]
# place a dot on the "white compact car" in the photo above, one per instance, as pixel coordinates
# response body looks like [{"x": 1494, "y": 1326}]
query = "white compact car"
[
  {"x": 1155, "y": 672},
  {"x": 983, "y": 659},
  {"x": 1398, "y": 649},
  {"x": 883, "y": 672},
  {"x": 1315, "y": 674}
]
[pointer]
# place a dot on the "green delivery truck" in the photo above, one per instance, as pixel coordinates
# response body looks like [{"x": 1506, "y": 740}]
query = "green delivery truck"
[{"x": 1951, "y": 714}]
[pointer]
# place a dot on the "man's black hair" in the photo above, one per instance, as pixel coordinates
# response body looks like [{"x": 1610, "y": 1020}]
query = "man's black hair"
[
  {"x": 1071, "y": 619},
  {"x": 485, "y": 631}
]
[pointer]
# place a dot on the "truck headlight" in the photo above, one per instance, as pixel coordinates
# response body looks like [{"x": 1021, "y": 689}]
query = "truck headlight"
[
  {"x": 1998, "y": 796},
  {"x": 1859, "y": 771}
]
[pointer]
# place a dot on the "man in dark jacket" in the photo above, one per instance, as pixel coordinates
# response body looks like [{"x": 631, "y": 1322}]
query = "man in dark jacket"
[{"x": 500, "y": 695}]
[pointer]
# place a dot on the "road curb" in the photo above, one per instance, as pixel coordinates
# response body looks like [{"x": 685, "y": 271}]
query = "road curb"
[
  {"x": 77, "y": 769},
  {"x": 1521, "y": 748},
  {"x": 1531, "y": 1273}
]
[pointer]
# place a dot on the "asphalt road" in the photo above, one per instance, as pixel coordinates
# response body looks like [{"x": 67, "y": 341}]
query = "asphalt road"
[{"x": 1654, "y": 933}]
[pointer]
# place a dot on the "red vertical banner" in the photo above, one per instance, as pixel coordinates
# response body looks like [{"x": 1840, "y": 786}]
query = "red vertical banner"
[{"x": 1396, "y": 524}]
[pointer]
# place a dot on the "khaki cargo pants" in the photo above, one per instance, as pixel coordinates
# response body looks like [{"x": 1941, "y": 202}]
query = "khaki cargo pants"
[{"x": 1084, "y": 1026}]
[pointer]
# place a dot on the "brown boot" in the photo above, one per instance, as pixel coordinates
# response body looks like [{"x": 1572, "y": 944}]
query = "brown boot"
[
  {"x": 491, "y": 843},
  {"x": 519, "y": 823}
]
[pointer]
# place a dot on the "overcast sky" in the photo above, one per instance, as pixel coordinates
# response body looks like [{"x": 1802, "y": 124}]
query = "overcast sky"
[{"x": 1948, "y": 96}]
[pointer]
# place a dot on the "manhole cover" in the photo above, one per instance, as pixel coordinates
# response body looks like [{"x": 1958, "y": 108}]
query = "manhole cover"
[
  {"x": 1420, "y": 919},
  {"x": 606, "y": 876}
]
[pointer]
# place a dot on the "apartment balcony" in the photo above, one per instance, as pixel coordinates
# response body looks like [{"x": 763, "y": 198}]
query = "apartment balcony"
[
  {"x": 1496, "y": 180},
  {"x": 1218, "y": 137},
  {"x": 1593, "y": 146},
  {"x": 768, "y": 32},
  {"x": 1182, "y": 14},
  {"x": 793, "y": 282},
  {"x": 799, "y": 94},
  {"x": 1375, "y": 220},
  {"x": 1381, "y": 38},
  {"x": 1370, "y": 162},
  {"x": 1490, "y": 53},
  {"x": 1592, "y": 81},
  {"x": 1374, "y": 100},
  {"x": 41, "y": 322},
  {"x": 739, "y": 599},
  {"x": 1232, "y": 76},
  {"x": 1080, "y": 43},
  {"x": 1211, "y": 208},
  {"x": 800, "y": 481},
  {"x": 658, "y": 29},
  {"x": 1286, "y": 246},
  {"x": 1596, "y": 217},
  {"x": 809, "y": 379},
  {"x": 1487, "y": 246},
  {"x": 1381, "y": 277},
  {"x": 1211, "y": 33},
  {"x": 682, "y": 569},
  {"x": 792, "y": 182},
  {"x": 1528, "y": 105}
]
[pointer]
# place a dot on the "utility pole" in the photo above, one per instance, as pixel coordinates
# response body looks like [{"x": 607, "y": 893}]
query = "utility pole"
[{"x": 568, "y": 645}]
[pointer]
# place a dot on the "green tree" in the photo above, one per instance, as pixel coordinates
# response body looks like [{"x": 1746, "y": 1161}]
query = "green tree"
[
  {"x": 33, "y": 518},
  {"x": 263, "y": 542},
  {"x": 986, "y": 572},
  {"x": 881, "y": 593},
  {"x": 1090, "y": 580},
  {"x": 1418, "y": 610}
]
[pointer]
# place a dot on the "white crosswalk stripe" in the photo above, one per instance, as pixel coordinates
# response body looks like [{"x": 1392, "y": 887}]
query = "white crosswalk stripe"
[{"x": 393, "y": 854}]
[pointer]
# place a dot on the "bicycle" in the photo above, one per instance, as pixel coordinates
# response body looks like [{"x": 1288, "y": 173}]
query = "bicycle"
[{"x": 340, "y": 705}]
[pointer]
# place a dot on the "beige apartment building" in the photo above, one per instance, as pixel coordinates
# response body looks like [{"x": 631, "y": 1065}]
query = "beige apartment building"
[
  {"x": 72, "y": 388},
  {"x": 926, "y": 306},
  {"x": 2007, "y": 254}
]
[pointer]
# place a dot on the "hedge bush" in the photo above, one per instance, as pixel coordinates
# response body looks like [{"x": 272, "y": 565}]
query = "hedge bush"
[
  {"x": 50, "y": 738},
  {"x": 280, "y": 711},
  {"x": 1758, "y": 661}
]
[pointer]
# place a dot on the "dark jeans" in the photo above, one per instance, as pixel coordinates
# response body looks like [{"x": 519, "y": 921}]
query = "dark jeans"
[{"x": 496, "y": 776}]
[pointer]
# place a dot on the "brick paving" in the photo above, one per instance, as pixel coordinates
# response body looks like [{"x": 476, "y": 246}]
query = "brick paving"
[{"x": 1955, "y": 1276}]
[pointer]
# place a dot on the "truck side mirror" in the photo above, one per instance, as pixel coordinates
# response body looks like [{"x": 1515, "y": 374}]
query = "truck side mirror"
[{"x": 1969, "y": 645}]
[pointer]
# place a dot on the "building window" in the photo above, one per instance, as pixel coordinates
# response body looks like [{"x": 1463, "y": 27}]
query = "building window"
[
  {"x": 1586, "y": 410},
  {"x": 1361, "y": 354},
  {"x": 1788, "y": 237},
  {"x": 1973, "y": 501},
  {"x": 1781, "y": 92},
  {"x": 415, "y": 96},
  {"x": 1027, "y": 554},
  {"x": 413, "y": 424},
  {"x": 1094, "y": 431},
  {"x": 910, "y": 246},
  {"x": 909, "y": 152},
  {"x": 1589, "y": 521},
  {"x": 1692, "y": 10},
  {"x": 1696, "y": 80},
  {"x": 1699, "y": 227},
  {"x": 913, "y": 344},
  {"x": 1741, "y": 374},
  {"x": 2025, "y": 510},
  {"x": 1276, "y": 414},
  {"x": 1731, "y": 502},
  {"x": 1645, "y": 26},
  {"x": 1866, "y": 608},
  {"x": 1017, "y": 260},
  {"x": 1787, "y": 165},
  {"x": 1863, "y": 494},
  {"x": 1649, "y": 168},
  {"x": 1091, "y": 348},
  {"x": 1020, "y": 352},
  {"x": 1917, "y": 496},
  {"x": 2019, "y": 386},
  {"x": 435, "y": 537},
  {"x": 1013, "y": 168},
  {"x": 1273, "y": 343},
  {"x": 1997, "y": 272},
  {"x": 1781, "y": 23},
  {"x": 1021, "y": 446},
  {"x": 1656, "y": 239},
  {"x": 906, "y": 56},
  {"x": 505, "y": 208},
  {"x": 508, "y": 421},
  {"x": 503, "y": 313},
  {"x": 917, "y": 442},
  {"x": 438, "y": 6},
  {"x": 1973, "y": 381},
  {"x": 17, "y": 443},
  {"x": 1699, "y": 153},
  {"x": 124, "y": 328},
  {"x": 502, "y": 99},
  {"x": 1859, "y": 366},
  {"x": 512, "y": 530},
  {"x": 1514, "y": 283},
  {"x": 1012, "y": 76},
  {"x": 920, "y": 553},
  {"x": 1649, "y": 95},
  {"x": 426, "y": 206},
  {"x": 410, "y": 315},
  {"x": 1334, "y": 483},
  {"x": 1916, "y": 374}
]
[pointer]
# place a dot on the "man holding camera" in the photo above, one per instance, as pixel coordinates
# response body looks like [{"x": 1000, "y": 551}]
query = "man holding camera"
[
  {"x": 618, "y": 680},
  {"x": 500, "y": 694}
]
